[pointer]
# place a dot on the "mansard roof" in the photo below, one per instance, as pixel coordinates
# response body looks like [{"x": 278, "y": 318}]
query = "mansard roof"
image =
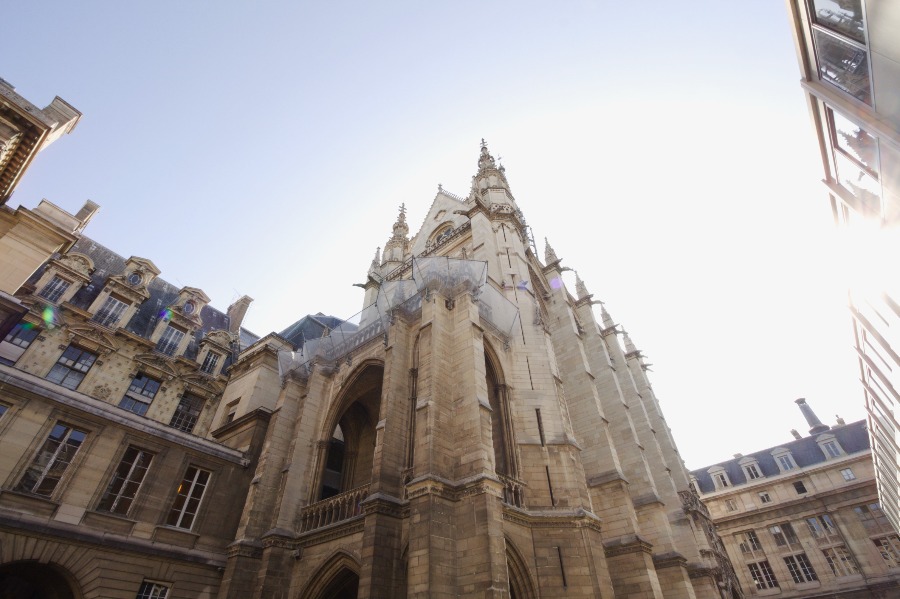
[
  {"x": 162, "y": 295},
  {"x": 852, "y": 437}
]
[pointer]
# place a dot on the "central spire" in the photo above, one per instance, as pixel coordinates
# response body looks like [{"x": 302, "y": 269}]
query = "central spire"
[{"x": 489, "y": 183}]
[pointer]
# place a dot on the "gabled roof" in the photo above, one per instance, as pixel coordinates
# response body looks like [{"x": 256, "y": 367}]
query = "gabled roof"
[{"x": 852, "y": 438}]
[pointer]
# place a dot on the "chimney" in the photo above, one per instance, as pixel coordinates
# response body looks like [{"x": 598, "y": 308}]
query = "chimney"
[
  {"x": 840, "y": 421},
  {"x": 738, "y": 455},
  {"x": 795, "y": 433},
  {"x": 236, "y": 312},
  {"x": 815, "y": 425},
  {"x": 86, "y": 213}
]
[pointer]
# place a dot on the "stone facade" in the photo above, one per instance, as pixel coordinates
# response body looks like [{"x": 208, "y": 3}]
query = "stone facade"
[
  {"x": 476, "y": 431},
  {"x": 803, "y": 519}
]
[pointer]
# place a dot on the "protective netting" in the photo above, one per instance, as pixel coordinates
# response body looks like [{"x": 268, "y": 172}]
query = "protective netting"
[{"x": 448, "y": 277}]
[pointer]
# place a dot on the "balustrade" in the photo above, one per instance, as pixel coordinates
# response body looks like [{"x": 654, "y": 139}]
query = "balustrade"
[{"x": 334, "y": 509}]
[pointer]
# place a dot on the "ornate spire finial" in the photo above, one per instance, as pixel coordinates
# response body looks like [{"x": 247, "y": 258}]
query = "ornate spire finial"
[
  {"x": 440, "y": 188},
  {"x": 376, "y": 261},
  {"x": 549, "y": 254},
  {"x": 401, "y": 229},
  {"x": 580, "y": 288},
  {"x": 485, "y": 160},
  {"x": 629, "y": 345}
]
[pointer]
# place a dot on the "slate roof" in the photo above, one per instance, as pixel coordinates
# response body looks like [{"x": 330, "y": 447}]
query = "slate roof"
[
  {"x": 162, "y": 295},
  {"x": 311, "y": 326},
  {"x": 852, "y": 437}
]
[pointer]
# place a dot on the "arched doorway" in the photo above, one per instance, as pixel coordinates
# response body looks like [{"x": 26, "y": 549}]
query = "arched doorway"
[
  {"x": 350, "y": 448},
  {"x": 344, "y": 585},
  {"x": 33, "y": 580}
]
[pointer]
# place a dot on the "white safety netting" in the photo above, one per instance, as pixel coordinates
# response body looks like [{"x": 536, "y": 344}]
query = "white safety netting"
[{"x": 448, "y": 277}]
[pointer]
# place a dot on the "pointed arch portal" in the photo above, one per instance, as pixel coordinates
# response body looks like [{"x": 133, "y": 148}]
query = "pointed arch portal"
[{"x": 350, "y": 446}]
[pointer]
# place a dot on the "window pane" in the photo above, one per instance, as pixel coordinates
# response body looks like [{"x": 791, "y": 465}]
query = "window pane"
[
  {"x": 844, "y": 17},
  {"x": 856, "y": 142},
  {"x": 52, "y": 460},
  {"x": 843, "y": 65}
]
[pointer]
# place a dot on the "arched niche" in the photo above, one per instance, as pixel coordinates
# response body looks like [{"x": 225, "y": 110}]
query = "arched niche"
[
  {"x": 501, "y": 422},
  {"x": 349, "y": 441}
]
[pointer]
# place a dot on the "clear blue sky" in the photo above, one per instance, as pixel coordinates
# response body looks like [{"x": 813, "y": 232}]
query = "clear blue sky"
[{"x": 263, "y": 148}]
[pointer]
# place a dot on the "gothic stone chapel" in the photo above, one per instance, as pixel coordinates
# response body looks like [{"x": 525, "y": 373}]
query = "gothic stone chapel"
[{"x": 476, "y": 432}]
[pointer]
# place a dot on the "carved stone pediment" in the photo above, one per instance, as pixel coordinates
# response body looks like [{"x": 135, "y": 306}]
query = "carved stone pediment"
[
  {"x": 88, "y": 335},
  {"x": 219, "y": 338},
  {"x": 119, "y": 285},
  {"x": 201, "y": 382},
  {"x": 163, "y": 366},
  {"x": 76, "y": 263}
]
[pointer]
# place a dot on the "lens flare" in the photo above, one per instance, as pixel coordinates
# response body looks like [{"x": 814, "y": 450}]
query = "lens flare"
[
  {"x": 48, "y": 316},
  {"x": 166, "y": 314},
  {"x": 26, "y": 326},
  {"x": 556, "y": 283}
]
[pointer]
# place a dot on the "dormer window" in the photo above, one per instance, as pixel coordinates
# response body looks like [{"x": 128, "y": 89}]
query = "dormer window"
[
  {"x": 110, "y": 312},
  {"x": 719, "y": 477},
  {"x": 784, "y": 459},
  {"x": 55, "y": 289},
  {"x": 751, "y": 468},
  {"x": 830, "y": 447},
  {"x": 170, "y": 340},
  {"x": 210, "y": 363}
]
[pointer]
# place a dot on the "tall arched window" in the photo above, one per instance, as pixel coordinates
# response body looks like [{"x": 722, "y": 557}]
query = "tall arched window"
[{"x": 501, "y": 423}]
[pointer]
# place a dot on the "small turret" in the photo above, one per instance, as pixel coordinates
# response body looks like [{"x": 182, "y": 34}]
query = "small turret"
[
  {"x": 376, "y": 262},
  {"x": 489, "y": 183},
  {"x": 580, "y": 287},
  {"x": 629, "y": 344},
  {"x": 398, "y": 245}
]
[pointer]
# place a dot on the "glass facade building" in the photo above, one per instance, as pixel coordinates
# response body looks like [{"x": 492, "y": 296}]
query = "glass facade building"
[{"x": 849, "y": 56}]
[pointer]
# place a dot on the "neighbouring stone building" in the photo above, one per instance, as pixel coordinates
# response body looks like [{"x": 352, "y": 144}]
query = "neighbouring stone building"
[
  {"x": 475, "y": 431},
  {"x": 803, "y": 519}
]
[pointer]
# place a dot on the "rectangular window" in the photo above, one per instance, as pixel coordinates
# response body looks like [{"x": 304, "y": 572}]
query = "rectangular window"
[
  {"x": 3, "y": 409},
  {"x": 762, "y": 575},
  {"x": 889, "y": 547},
  {"x": 170, "y": 340},
  {"x": 765, "y": 498},
  {"x": 22, "y": 334},
  {"x": 187, "y": 501},
  {"x": 752, "y": 472},
  {"x": 840, "y": 561},
  {"x": 800, "y": 487},
  {"x": 209, "y": 363},
  {"x": 16, "y": 342},
  {"x": 731, "y": 505},
  {"x": 126, "y": 481},
  {"x": 800, "y": 568},
  {"x": 71, "y": 367},
  {"x": 784, "y": 535},
  {"x": 187, "y": 413},
  {"x": 822, "y": 527},
  {"x": 749, "y": 542},
  {"x": 110, "y": 312},
  {"x": 873, "y": 519},
  {"x": 52, "y": 460},
  {"x": 831, "y": 449},
  {"x": 721, "y": 480},
  {"x": 847, "y": 473},
  {"x": 54, "y": 290},
  {"x": 785, "y": 462},
  {"x": 139, "y": 395},
  {"x": 844, "y": 17},
  {"x": 844, "y": 64},
  {"x": 152, "y": 590}
]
